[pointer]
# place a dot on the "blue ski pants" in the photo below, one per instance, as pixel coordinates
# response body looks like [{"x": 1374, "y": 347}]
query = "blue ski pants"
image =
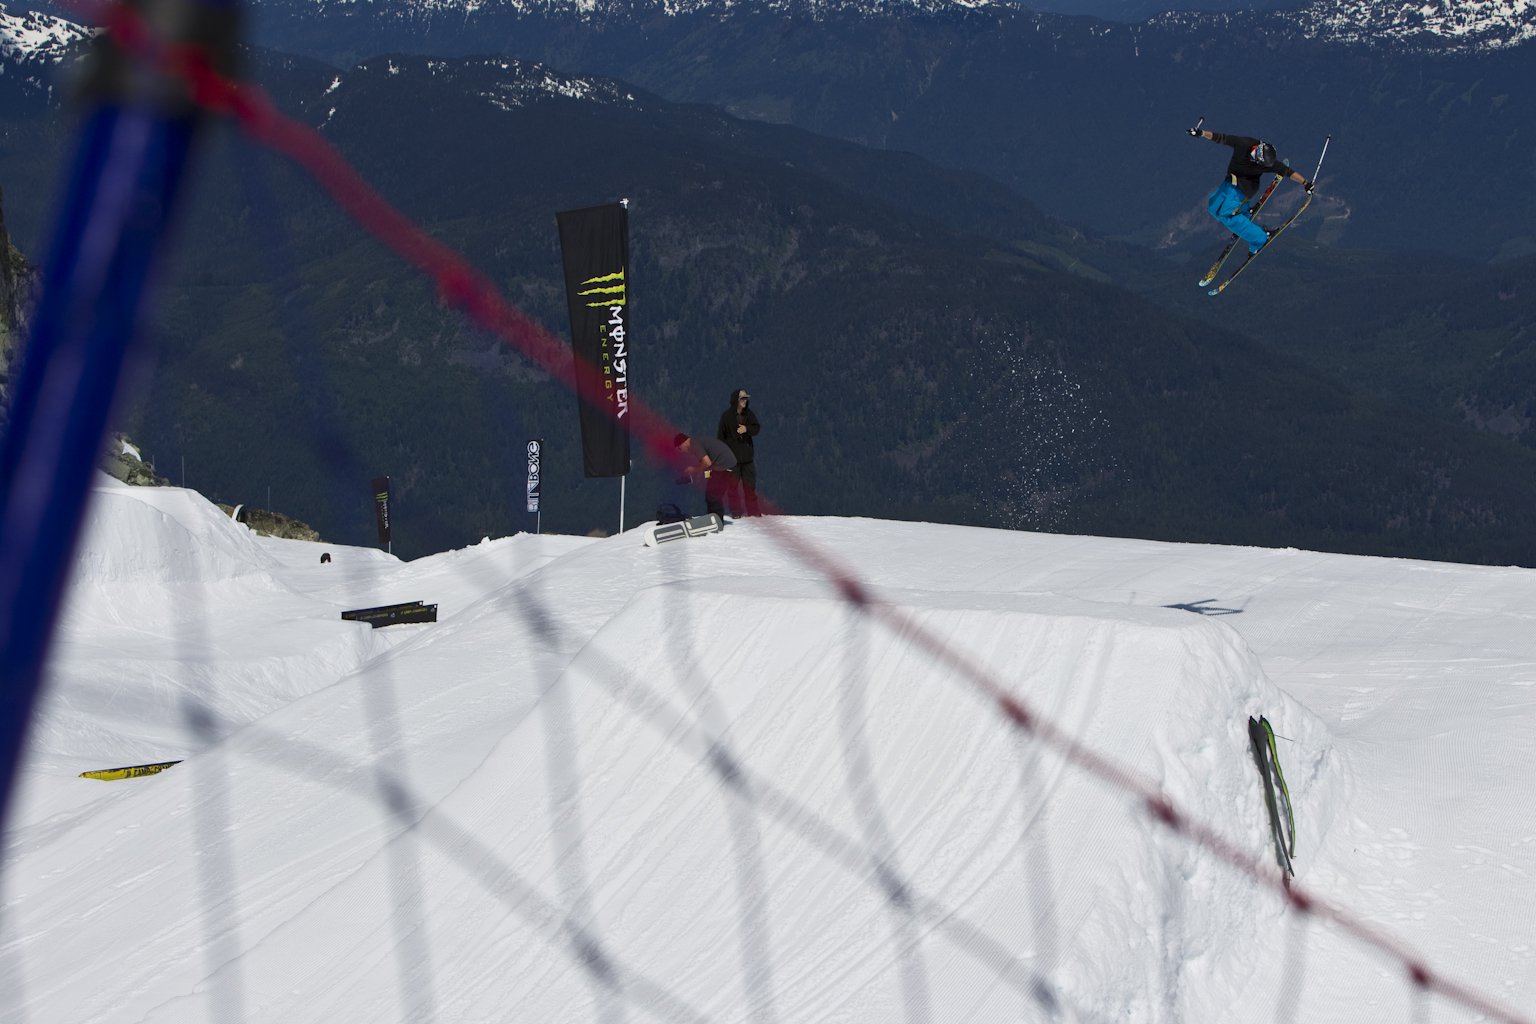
[{"x": 1226, "y": 205}]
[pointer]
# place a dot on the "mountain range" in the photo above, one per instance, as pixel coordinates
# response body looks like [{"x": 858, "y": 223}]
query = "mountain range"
[
  {"x": 921, "y": 340},
  {"x": 1479, "y": 24},
  {"x": 1431, "y": 111}
]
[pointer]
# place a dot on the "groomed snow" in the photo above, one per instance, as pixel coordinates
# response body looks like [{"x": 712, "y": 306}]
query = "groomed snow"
[{"x": 690, "y": 783}]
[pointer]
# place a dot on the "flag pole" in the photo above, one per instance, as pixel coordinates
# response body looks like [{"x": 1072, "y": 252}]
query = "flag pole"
[{"x": 624, "y": 480}]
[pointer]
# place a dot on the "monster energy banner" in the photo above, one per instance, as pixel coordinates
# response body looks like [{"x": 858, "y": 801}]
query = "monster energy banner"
[
  {"x": 381, "y": 507},
  {"x": 535, "y": 456},
  {"x": 595, "y": 245}
]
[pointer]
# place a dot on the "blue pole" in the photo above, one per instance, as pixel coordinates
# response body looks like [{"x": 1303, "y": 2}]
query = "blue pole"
[{"x": 109, "y": 238}]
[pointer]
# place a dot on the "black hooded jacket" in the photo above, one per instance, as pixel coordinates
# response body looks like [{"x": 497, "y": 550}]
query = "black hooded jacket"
[
  {"x": 741, "y": 444},
  {"x": 1243, "y": 171}
]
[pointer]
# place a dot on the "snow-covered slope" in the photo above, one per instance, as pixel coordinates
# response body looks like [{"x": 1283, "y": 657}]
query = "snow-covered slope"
[
  {"x": 691, "y": 783},
  {"x": 1460, "y": 23},
  {"x": 33, "y": 36}
]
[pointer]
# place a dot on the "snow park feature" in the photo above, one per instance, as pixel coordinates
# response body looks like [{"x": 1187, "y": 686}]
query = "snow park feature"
[{"x": 707, "y": 787}]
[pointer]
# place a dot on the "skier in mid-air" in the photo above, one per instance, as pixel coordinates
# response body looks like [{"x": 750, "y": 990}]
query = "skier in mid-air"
[{"x": 1251, "y": 160}]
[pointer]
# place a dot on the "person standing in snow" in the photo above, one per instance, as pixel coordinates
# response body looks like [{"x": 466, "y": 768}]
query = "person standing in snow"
[
  {"x": 711, "y": 458},
  {"x": 1251, "y": 160},
  {"x": 738, "y": 426}
]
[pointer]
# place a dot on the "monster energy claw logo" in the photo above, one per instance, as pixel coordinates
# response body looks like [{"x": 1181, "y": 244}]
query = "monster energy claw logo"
[{"x": 609, "y": 290}]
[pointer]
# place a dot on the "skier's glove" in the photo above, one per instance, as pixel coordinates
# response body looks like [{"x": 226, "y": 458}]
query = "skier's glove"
[
  {"x": 1194, "y": 133},
  {"x": 1309, "y": 185}
]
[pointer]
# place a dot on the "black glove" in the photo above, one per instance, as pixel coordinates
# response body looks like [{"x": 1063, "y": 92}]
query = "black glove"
[
  {"x": 1194, "y": 132},
  {"x": 1309, "y": 184}
]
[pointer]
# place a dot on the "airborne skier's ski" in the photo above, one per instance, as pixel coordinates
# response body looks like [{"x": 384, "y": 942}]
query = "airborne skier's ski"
[
  {"x": 1253, "y": 211},
  {"x": 1277, "y": 231}
]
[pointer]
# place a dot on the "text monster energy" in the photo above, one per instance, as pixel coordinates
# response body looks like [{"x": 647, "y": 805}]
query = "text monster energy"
[
  {"x": 608, "y": 291},
  {"x": 594, "y": 246}
]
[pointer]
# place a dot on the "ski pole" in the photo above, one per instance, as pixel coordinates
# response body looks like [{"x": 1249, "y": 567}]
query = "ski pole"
[
  {"x": 1196, "y": 129},
  {"x": 1320, "y": 157}
]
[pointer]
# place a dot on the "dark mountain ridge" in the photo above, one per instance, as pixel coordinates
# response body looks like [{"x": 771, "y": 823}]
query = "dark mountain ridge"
[
  {"x": 921, "y": 342},
  {"x": 1434, "y": 137},
  {"x": 1432, "y": 111},
  {"x": 964, "y": 360}
]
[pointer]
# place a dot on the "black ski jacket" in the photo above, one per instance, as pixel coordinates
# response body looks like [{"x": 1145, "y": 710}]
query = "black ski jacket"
[
  {"x": 1242, "y": 171},
  {"x": 741, "y": 444},
  {"x": 719, "y": 453}
]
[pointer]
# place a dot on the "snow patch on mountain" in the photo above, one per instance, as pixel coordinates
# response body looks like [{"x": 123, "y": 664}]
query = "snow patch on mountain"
[
  {"x": 815, "y": 8},
  {"x": 1464, "y": 24},
  {"x": 541, "y": 83},
  {"x": 503, "y": 81},
  {"x": 885, "y": 7},
  {"x": 36, "y": 37},
  {"x": 601, "y": 9}
]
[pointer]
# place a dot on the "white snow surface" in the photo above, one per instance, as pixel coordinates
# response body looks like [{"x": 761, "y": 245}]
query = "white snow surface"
[
  {"x": 1466, "y": 24},
  {"x": 35, "y": 36},
  {"x": 614, "y": 782}
]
